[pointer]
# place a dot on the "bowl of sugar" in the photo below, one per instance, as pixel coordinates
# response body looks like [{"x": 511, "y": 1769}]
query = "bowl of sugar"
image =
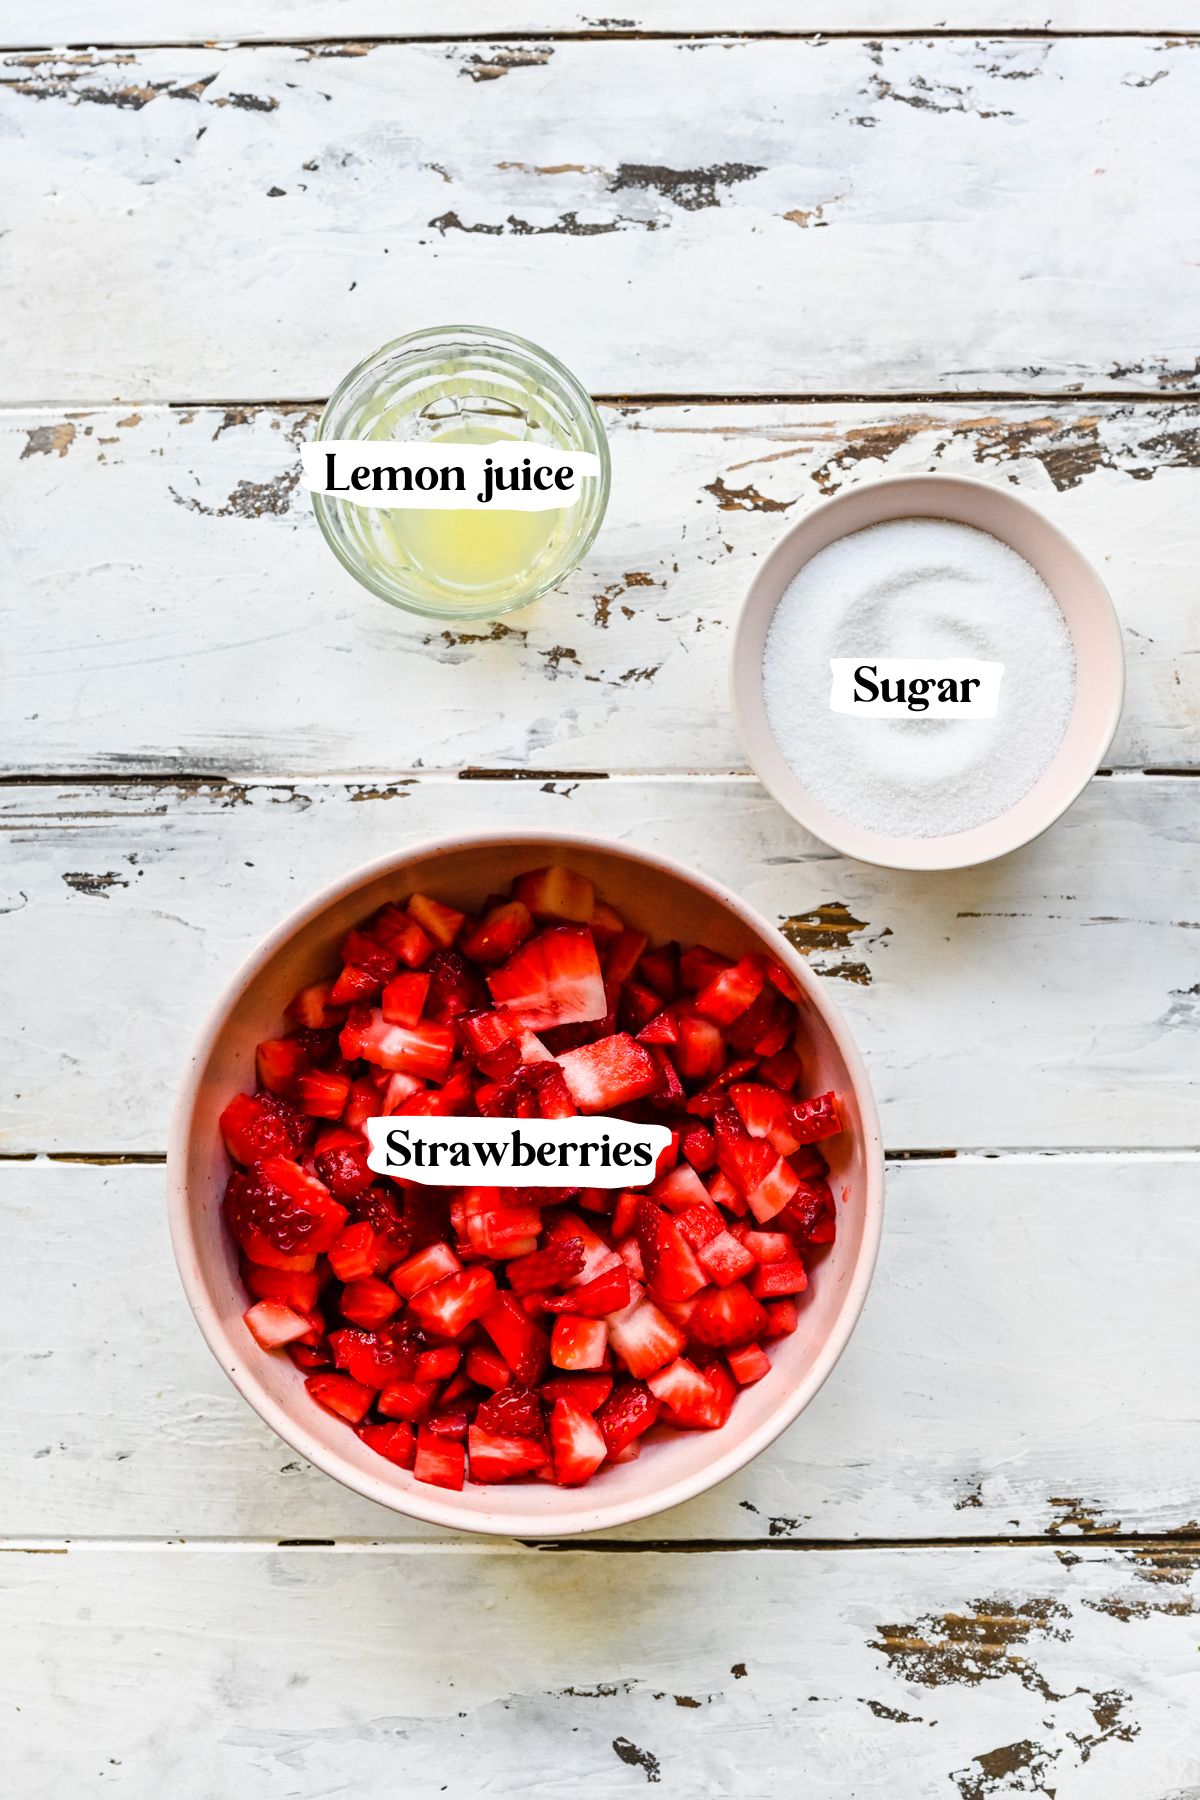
[{"x": 926, "y": 672}]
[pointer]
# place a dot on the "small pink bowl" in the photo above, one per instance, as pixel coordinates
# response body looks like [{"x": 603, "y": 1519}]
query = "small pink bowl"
[
  {"x": 663, "y": 899},
  {"x": 1085, "y": 604}
]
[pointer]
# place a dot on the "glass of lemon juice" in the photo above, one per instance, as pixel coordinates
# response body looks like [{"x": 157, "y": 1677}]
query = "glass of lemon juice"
[{"x": 461, "y": 384}]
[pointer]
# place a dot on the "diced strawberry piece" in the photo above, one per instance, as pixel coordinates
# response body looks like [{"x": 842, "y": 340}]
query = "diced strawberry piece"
[
  {"x": 403, "y": 999},
  {"x": 339, "y": 1394},
  {"x": 272, "y": 1215},
  {"x": 297, "y": 1291},
  {"x": 369, "y": 1303},
  {"x": 611, "y": 1072},
  {"x": 575, "y": 1343},
  {"x": 308, "y": 1356},
  {"x": 722, "y": 1192},
  {"x": 554, "y": 979},
  {"x": 448, "y": 1421},
  {"x": 455, "y": 988},
  {"x": 742, "y": 1159},
  {"x": 809, "y": 1214},
  {"x": 553, "y": 1096},
  {"x": 453, "y": 1303},
  {"x": 432, "y": 1264},
  {"x": 782, "y": 1071},
  {"x": 773, "y": 1192},
  {"x": 622, "y": 958},
  {"x": 355, "y": 984},
  {"x": 438, "y": 1365},
  {"x": 659, "y": 969},
  {"x": 398, "y": 1092},
  {"x": 699, "y": 965},
  {"x": 588, "y": 1392},
  {"x": 396, "y": 1443},
  {"x": 606, "y": 924},
  {"x": 700, "y": 1050},
  {"x": 725, "y": 1317},
  {"x": 663, "y": 1029},
  {"x": 501, "y": 931},
  {"x": 362, "y": 1105},
  {"x": 279, "y": 1064},
  {"x": 784, "y": 1316},
  {"x": 765, "y": 1114},
  {"x": 644, "y": 1338},
  {"x": 399, "y": 932},
  {"x": 322, "y": 1095},
  {"x": 765, "y": 1246},
  {"x": 272, "y": 1324},
  {"x": 727, "y": 995},
  {"x": 440, "y": 923},
  {"x": 749, "y": 1364},
  {"x": 556, "y": 893},
  {"x": 686, "y": 1394},
  {"x": 629, "y": 1410},
  {"x": 815, "y": 1119},
  {"x": 441, "y": 1461},
  {"x": 768, "y": 1021},
  {"x": 578, "y": 1444},
  {"x": 312, "y": 1007},
  {"x": 353, "y": 1252},
  {"x": 549, "y": 1267},
  {"x": 775, "y": 1279},
  {"x": 722, "y": 1384},
  {"x": 495, "y": 1458},
  {"x": 259, "y": 1125},
  {"x": 406, "y": 1399},
  {"x": 344, "y": 1170},
  {"x": 699, "y": 1148},
  {"x": 671, "y": 1090},
  {"x": 486, "y": 1368},
  {"x": 426, "y": 1049},
  {"x": 376, "y": 1358},
  {"x": 597, "y": 1255},
  {"x": 680, "y": 1187},
  {"x": 493, "y": 1042},
  {"x": 520, "y": 1342},
  {"x": 606, "y": 1293},
  {"x": 718, "y": 1252},
  {"x": 514, "y": 1412},
  {"x": 505, "y": 1231},
  {"x": 671, "y": 1267},
  {"x": 630, "y": 1252}
]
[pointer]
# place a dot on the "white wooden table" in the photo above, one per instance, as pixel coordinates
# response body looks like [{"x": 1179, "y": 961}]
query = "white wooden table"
[{"x": 788, "y": 262}]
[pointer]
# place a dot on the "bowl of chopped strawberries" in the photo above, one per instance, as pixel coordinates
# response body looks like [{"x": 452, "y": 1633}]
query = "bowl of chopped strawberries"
[{"x": 537, "y": 1360}]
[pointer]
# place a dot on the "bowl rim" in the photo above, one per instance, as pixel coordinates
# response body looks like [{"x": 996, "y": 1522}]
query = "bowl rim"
[
  {"x": 982, "y": 843},
  {"x": 431, "y": 1508}
]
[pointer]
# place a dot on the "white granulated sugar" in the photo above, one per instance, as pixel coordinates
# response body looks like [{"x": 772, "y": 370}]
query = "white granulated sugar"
[{"x": 919, "y": 588}]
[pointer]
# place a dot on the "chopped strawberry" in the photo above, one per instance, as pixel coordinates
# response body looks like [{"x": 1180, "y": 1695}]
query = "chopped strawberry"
[
  {"x": 321, "y": 1094},
  {"x": 556, "y": 1263},
  {"x": 816, "y": 1119},
  {"x": 312, "y": 1007},
  {"x": 686, "y": 1394},
  {"x": 339, "y": 1394},
  {"x": 556, "y": 893},
  {"x": 369, "y": 1303},
  {"x": 699, "y": 1148},
  {"x": 426, "y": 1050},
  {"x": 663, "y": 1029},
  {"x": 455, "y": 988},
  {"x": 272, "y": 1324},
  {"x": 440, "y": 1461},
  {"x": 671, "y": 1267},
  {"x": 622, "y": 957},
  {"x": 784, "y": 1316},
  {"x": 520, "y": 1342},
  {"x": 399, "y": 932},
  {"x": 644, "y": 1338},
  {"x": 720, "y": 1255},
  {"x": 514, "y": 1412},
  {"x": 554, "y": 979},
  {"x": 396, "y": 1443},
  {"x": 611, "y": 1072},
  {"x": 486, "y": 1368},
  {"x": 588, "y": 1392},
  {"x": 578, "y": 1443},
  {"x": 725, "y": 1317},
  {"x": 494, "y": 1458},
  {"x": 353, "y": 1253},
  {"x": 749, "y": 1364},
  {"x": 455, "y": 1302},
  {"x": 432, "y": 1264},
  {"x": 502, "y": 930},
  {"x": 441, "y": 924},
  {"x": 606, "y": 1293},
  {"x": 606, "y": 924},
  {"x": 659, "y": 969},
  {"x": 727, "y": 995},
  {"x": 680, "y": 1187},
  {"x": 267, "y": 1211},
  {"x": 297, "y": 1291},
  {"x": 782, "y": 1071},
  {"x": 403, "y": 999},
  {"x": 258, "y": 1125},
  {"x": 575, "y": 1342},
  {"x": 699, "y": 965},
  {"x": 776, "y": 1279},
  {"x": 279, "y": 1063},
  {"x": 407, "y": 1399},
  {"x": 700, "y": 1050},
  {"x": 629, "y": 1410},
  {"x": 438, "y": 1365}
]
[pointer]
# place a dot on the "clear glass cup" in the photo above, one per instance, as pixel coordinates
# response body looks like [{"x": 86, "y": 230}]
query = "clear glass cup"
[{"x": 463, "y": 384}]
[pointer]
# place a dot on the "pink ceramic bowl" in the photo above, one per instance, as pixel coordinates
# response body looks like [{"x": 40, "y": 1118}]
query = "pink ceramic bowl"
[
  {"x": 663, "y": 899},
  {"x": 1085, "y": 604}
]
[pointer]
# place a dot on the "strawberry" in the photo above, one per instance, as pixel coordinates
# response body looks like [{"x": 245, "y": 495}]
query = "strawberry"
[
  {"x": 725, "y": 1317},
  {"x": 486, "y": 1368},
  {"x": 644, "y": 1338},
  {"x": 495, "y": 1458},
  {"x": 622, "y": 956},
  {"x": 605, "y": 924},
  {"x": 663, "y": 1029},
  {"x": 376, "y": 1358},
  {"x": 686, "y": 1394},
  {"x": 579, "y": 1445},
  {"x": 556, "y": 893},
  {"x": 671, "y": 1268},
  {"x": 353, "y": 1253},
  {"x": 369, "y": 1303},
  {"x": 322, "y": 1095},
  {"x": 727, "y": 995},
  {"x": 606, "y": 1293},
  {"x": 339, "y": 1394},
  {"x": 399, "y": 932},
  {"x": 815, "y": 1119},
  {"x": 784, "y": 1316},
  {"x": 700, "y": 1050},
  {"x": 502, "y": 930},
  {"x": 295, "y": 1290},
  {"x": 272, "y": 1324},
  {"x": 554, "y": 979},
  {"x": 699, "y": 965},
  {"x": 575, "y": 1342},
  {"x": 454, "y": 1302},
  {"x": 588, "y": 1392},
  {"x": 455, "y": 987},
  {"x": 441, "y": 924},
  {"x": 440, "y": 1461},
  {"x": 611, "y": 1072},
  {"x": 556, "y": 1263},
  {"x": 520, "y": 1342},
  {"x": 403, "y": 999},
  {"x": 722, "y": 1384},
  {"x": 699, "y": 1147},
  {"x": 279, "y": 1063},
  {"x": 774, "y": 1280},
  {"x": 396, "y": 1443},
  {"x": 407, "y": 1399},
  {"x": 426, "y": 1049},
  {"x": 289, "y": 1218},
  {"x": 432, "y": 1264},
  {"x": 312, "y": 1007},
  {"x": 514, "y": 1412},
  {"x": 629, "y": 1410},
  {"x": 258, "y": 1125},
  {"x": 659, "y": 969},
  {"x": 765, "y": 1114},
  {"x": 782, "y": 1071},
  {"x": 749, "y": 1364},
  {"x": 680, "y": 1187},
  {"x": 553, "y": 1096},
  {"x": 720, "y": 1255}
]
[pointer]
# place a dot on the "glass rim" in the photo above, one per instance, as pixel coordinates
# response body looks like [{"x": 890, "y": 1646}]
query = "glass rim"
[{"x": 480, "y": 335}]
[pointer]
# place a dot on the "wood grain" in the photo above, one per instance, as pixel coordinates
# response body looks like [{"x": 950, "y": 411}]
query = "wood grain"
[
  {"x": 979, "y": 1674},
  {"x": 184, "y": 613},
  {"x": 855, "y": 216},
  {"x": 976, "y": 1399},
  {"x": 1045, "y": 1000},
  {"x": 276, "y": 21}
]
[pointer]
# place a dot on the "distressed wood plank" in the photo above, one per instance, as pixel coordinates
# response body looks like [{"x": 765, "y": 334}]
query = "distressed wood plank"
[
  {"x": 128, "y": 906},
  {"x": 275, "y": 21},
  {"x": 203, "y": 570},
  {"x": 939, "y": 1422},
  {"x": 246, "y": 223},
  {"x": 980, "y": 1674}
]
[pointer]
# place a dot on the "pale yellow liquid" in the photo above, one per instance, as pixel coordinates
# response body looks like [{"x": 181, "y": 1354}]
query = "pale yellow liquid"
[{"x": 466, "y": 553}]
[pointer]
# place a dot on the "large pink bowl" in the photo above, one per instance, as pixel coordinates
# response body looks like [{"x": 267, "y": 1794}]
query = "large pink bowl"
[{"x": 664, "y": 900}]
